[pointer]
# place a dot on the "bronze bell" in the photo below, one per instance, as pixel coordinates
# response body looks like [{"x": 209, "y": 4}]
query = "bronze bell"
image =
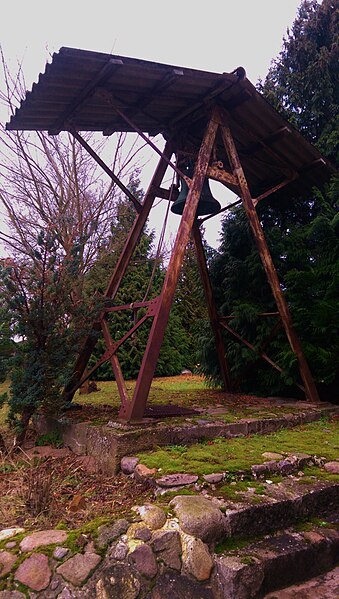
[{"x": 207, "y": 203}]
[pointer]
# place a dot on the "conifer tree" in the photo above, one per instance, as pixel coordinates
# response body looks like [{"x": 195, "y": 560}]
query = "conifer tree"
[{"x": 302, "y": 232}]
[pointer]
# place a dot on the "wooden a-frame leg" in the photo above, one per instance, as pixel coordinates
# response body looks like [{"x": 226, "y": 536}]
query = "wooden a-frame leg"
[
  {"x": 266, "y": 258},
  {"x": 119, "y": 271},
  {"x": 136, "y": 408},
  {"x": 212, "y": 310}
]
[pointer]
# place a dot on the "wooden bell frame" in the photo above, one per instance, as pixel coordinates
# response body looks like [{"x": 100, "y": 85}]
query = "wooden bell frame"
[{"x": 158, "y": 309}]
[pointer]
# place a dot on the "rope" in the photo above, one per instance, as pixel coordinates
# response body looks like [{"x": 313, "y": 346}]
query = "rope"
[{"x": 160, "y": 242}]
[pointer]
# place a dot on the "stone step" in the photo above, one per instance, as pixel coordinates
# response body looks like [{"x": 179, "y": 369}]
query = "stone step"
[
  {"x": 325, "y": 586},
  {"x": 276, "y": 561},
  {"x": 288, "y": 503},
  {"x": 109, "y": 444}
]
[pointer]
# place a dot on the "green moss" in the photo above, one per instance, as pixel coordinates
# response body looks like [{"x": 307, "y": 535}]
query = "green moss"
[
  {"x": 90, "y": 529},
  {"x": 311, "y": 524},
  {"x": 17, "y": 538},
  {"x": 170, "y": 494},
  {"x": 240, "y": 453},
  {"x": 237, "y": 491},
  {"x": 22, "y": 589},
  {"x": 232, "y": 544},
  {"x": 53, "y": 438},
  {"x": 61, "y": 526},
  {"x": 320, "y": 473},
  {"x": 248, "y": 560},
  {"x": 276, "y": 478}
]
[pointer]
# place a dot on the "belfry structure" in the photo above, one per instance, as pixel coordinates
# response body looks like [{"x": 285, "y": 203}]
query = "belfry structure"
[{"x": 215, "y": 126}]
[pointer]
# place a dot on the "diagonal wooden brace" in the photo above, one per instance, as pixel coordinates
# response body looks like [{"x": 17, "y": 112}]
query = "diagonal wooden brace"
[{"x": 137, "y": 407}]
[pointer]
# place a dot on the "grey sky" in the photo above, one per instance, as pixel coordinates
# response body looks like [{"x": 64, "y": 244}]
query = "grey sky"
[{"x": 216, "y": 36}]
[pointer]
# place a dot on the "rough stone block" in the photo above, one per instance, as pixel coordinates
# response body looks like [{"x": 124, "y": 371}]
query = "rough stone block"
[
  {"x": 143, "y": 560},
  {"x": 117, "y": 581},
  {"x": 167, "y": 545},
  {"x": 196, "y": 558},
  {"x": 235, "y": 580},
  {"x": 7, "y": 560},
  {"x": 199, "y": 517},
  {"x": 128, "y": 464},
  {"x": 172, "y": 585},
  {"x": 78, "y": 568},
  {"x": 110, "y": 532},
  {"x": 152, "y": 515}
]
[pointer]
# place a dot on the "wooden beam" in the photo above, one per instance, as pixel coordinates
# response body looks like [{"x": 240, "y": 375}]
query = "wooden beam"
[
  {"x": 150, "y": 358},
  {"x": 98, "y": 160},
  {"x": 115, "y": 364},
  {"x": 223, "y": 176},
  {"x": 88, "y": 91},
  {"x": 143, "y": 101},
  {"x": 212, "y": 310},
  {"x": 202, "y": 220},
  {"x": 273, "y": 189},
  {"x": 120, "y": 269}
]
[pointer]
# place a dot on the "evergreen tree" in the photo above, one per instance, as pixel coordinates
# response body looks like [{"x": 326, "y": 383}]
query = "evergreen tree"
[
  {"x": 303, "y": 81},
  {"x": 189, "y": 305},
  {"x": 302, "y": 232},
  {"x": 6, "y": 346},
  {"x": 45, "y": 327}
]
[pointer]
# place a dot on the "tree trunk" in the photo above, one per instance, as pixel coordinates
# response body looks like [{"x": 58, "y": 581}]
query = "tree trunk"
[
  {"x": 3, "y": 448},
  {"x": 24, "y": 422}
]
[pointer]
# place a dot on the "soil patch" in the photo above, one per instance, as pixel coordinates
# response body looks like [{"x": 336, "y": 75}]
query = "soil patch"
[{"x": 37, "y": 492}]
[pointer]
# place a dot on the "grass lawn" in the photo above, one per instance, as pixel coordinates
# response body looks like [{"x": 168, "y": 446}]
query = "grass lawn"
[
  {"x": 188, "y": 392},
  {"x": 177, "y": 389},
  {"x": 173, "y": 389},
  {"x": 319, "y": 438}
]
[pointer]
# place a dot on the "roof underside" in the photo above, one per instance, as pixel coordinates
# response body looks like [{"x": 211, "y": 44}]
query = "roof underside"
[{"x": 88, "y": 91}]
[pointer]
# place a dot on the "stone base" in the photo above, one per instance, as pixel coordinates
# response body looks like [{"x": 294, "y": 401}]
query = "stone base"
[{"x": 110, "y": 443}]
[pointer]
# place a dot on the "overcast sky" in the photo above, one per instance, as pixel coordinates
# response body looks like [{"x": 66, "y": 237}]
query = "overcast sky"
[{"x": 215, "y": 36}]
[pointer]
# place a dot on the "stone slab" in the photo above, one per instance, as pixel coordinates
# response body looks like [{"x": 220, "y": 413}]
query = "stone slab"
[
  {"x": 34, "y": 572},
  {"x": 176, "y": 480},
  {"x": 325, "y": 586},
  {"x": 7, "y": 533},
  {"x": 283, "y": 508},
  {"x": 7, "y": 560},
  {"x": 332, "y": 467},
  {"x": 41, "y": 538}
]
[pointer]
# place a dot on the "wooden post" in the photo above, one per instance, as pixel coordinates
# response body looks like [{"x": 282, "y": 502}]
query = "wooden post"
[
  {"x": 310, "y": 388},
  {"x": 136, "y": 409},
  {"x": 212, "y": 310}
]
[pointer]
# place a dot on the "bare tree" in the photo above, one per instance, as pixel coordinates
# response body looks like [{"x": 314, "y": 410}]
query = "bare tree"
[
  {"x": 58, "y": 212},
  {"x": 52, "y": 183}
]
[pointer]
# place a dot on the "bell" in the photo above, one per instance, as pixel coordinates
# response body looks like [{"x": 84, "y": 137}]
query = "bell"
[{"x": 207, "y": 204}]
